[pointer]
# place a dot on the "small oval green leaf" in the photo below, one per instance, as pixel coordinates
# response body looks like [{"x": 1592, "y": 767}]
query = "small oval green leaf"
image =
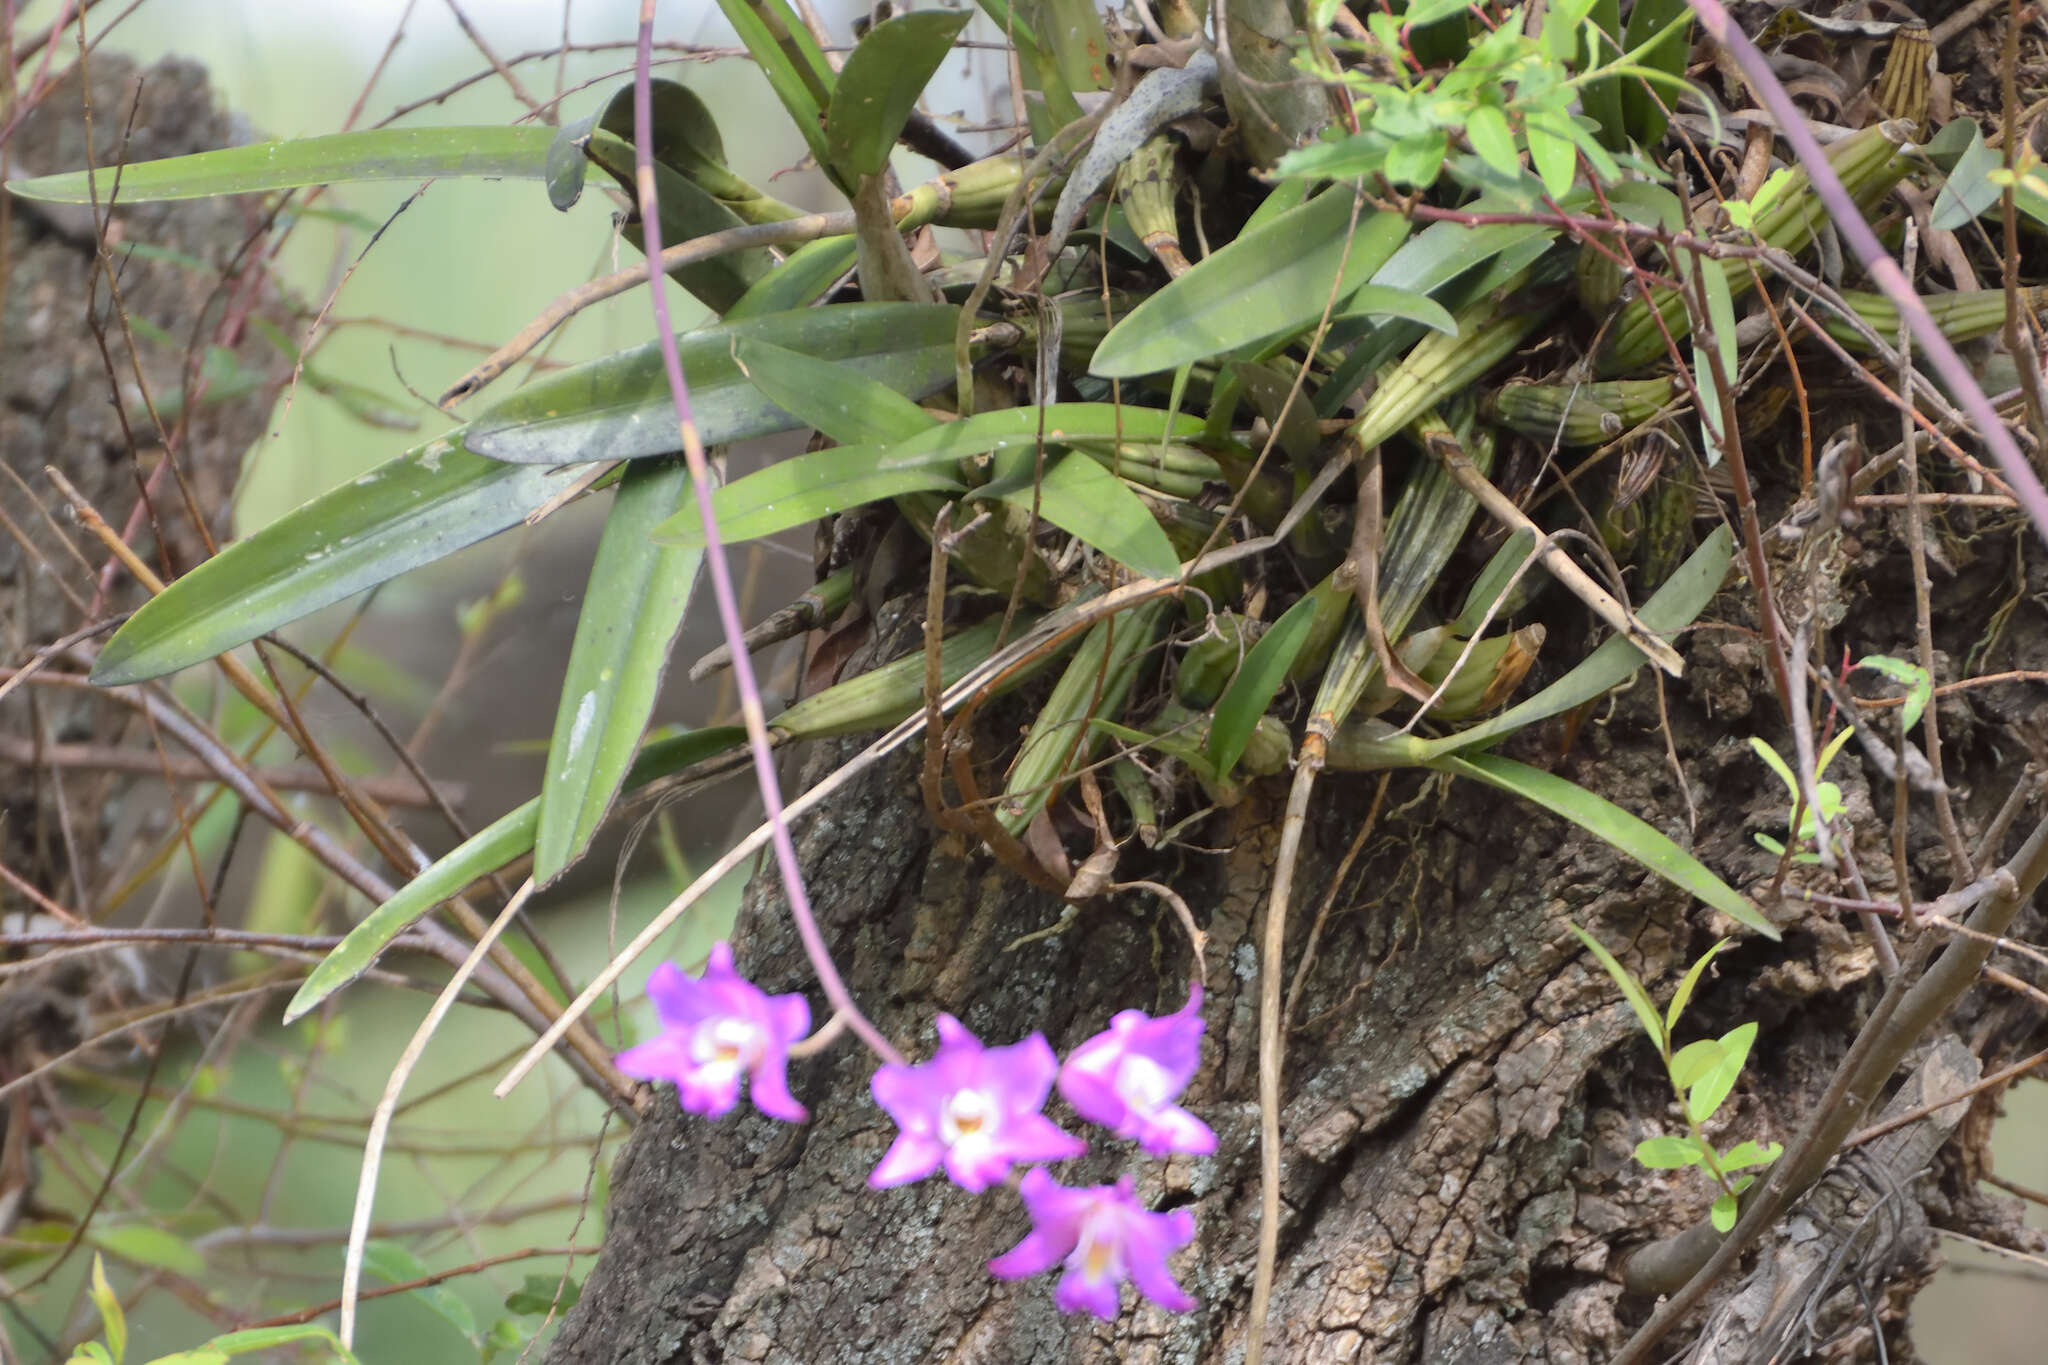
[
  {"x": 1668, "y": 1153},
  {"x": 148, "y": 1245}
]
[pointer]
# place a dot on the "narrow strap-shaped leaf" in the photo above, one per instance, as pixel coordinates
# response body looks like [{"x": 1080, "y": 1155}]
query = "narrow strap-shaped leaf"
[
  {"x": 491, "y": 151},
  {"x": 1670, "y": 609},
  {"x": 1087, "y": 501},
  {"x": 423, "y": 506},
  {"x": 1269, "y": 283},
  {"x": 631, "y": 612},
  {"x": 1675, "y": 605},
  {"x": 879, "y": 86},
  {"x": 1056, "y": 423},
  {"x": 618, "y": 408},
  {"x": 782, "y": 51},
  {"x": 846, "y": 405},
  {"x": 797, "y": 491},
  {"x": 1258, "y": 681},
  {"x": 1386, "y": 301},
  {"x": 1612, "y": 825},
  {"x": 800, "y": 281},
  {"x": 489, "y": 849}
]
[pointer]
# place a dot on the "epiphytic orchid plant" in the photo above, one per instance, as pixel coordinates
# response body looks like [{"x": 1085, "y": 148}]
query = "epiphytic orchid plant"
[{"x": 1184, "y": 468}]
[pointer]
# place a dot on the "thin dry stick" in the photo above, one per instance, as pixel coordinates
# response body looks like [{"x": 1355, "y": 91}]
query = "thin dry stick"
[
  {"x": 390, "y": 791},
  {"x": 1561, "y": 565},
  {"x": 1923, "y": 610},
  {"x": 380, "y": 1122}
]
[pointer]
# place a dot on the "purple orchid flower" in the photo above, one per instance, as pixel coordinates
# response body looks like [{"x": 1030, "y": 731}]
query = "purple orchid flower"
[
  {"x": 1126, "y": 1078},
  {"x": 973, "y": 1108},
  {"x": 716, "y": 1028},
  {"x": 1106, "y": 1237}
]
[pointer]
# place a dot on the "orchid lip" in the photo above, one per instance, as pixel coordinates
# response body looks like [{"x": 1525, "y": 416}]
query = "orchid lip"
[{"x": 966, "y": 1114}]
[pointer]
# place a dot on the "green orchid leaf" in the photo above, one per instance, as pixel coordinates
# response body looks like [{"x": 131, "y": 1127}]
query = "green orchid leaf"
[
  {"x": 567, "y": 166},
  {"x": 423, "y": 506},
  {"x": 1720, "y": 308},
  {"x": 490, "y": 152},
  {"x": 686, "y": 212},
  {"x": 786, "y": 56},
  {"x": 878, "y": 87},
  {"x": 1023, "y": 428},
  {"x": 1087, "y": 501},
  {"x": 1270, "y": 283},
  {"x": 1613, "y": 826},
  {"x": 687, "y": 141},
  {"x": 631, "y": 613},
  {"x": 490, "y": 848},
  {"x": 1072, "y": 34},
  {"x": 846, "y": 405},
  {"x": 800, "y": 281},
  {"x": 619, "y": 408},
  {"x": 1283, "y": 197},
  {"x": 1671, "y": 608},
  {"x": 1669, "y": 24},
  {"x": 1385, "y": 301},
  {"x": 797, "y": 491},
  {"x": 1259, "y": 679}
]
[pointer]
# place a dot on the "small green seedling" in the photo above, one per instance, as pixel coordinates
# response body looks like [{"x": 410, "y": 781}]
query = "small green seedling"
[
  {"x": 1919, "y": 686},
  {"x": 1703, "y": 1074},
  {"x": 218, "y": 1351},
  {"x": 1828, "y": 795}
]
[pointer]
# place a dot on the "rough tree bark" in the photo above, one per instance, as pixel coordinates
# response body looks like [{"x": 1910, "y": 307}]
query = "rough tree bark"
[
  {"x": 1464, "y": 1088},
  {"x": 68, "y": 831},
  {"x": 57, "y": 410}
]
